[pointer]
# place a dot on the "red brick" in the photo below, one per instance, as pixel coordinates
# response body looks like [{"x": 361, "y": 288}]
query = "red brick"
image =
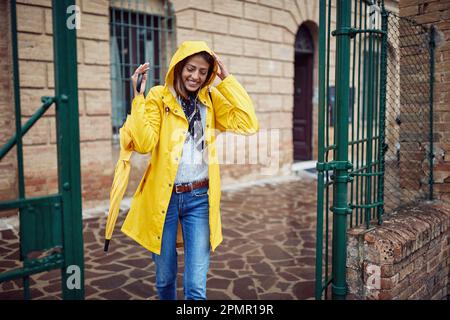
[{"x": 389, "y": 283}]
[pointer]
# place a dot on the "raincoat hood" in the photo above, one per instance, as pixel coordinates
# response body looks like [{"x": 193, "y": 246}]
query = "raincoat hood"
[{"x": 186, "y": 49}]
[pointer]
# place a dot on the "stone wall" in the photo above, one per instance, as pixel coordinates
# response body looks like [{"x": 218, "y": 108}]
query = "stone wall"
[{"x": 407, "y": 257}]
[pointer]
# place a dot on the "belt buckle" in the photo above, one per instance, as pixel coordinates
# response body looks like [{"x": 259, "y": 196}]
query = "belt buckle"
[{"x": 190, "y": 185}]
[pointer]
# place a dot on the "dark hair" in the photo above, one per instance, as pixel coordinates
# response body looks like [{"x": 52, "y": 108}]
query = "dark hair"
[{"x": 178, "y": 82}]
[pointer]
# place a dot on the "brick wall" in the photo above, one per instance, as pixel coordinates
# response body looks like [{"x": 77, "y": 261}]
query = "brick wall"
[
  {"x": 8, "y": 165},
  {"x": 407, "y": 257},
  {"x": 437, "y": 13},
  {"x": 35, "y": 39}
]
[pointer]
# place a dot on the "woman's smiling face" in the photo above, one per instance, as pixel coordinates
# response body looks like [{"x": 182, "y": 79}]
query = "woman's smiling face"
[{"x": 194, "y": 73}]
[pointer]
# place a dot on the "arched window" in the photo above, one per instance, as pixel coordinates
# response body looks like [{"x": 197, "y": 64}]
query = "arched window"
[{"x": 303, "y": 41}]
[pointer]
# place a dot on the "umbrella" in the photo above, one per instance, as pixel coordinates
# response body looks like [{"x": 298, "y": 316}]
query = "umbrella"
[{"x": 120, "y": 182}]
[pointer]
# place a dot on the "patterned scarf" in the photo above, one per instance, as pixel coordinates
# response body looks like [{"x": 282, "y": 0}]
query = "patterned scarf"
[{"x": 192, "y": 113}]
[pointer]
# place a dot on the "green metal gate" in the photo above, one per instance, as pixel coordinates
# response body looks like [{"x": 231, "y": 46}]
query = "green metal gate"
[
  {"x": 375, "y": 125},
  {"x": 52, "y": 225}
]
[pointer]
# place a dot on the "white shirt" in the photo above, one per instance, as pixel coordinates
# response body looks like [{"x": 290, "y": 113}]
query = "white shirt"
[{"x": 192, "y": 166}]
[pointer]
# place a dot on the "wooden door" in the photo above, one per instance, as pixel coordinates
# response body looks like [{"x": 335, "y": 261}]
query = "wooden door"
[{"x": 302, "y": 117}]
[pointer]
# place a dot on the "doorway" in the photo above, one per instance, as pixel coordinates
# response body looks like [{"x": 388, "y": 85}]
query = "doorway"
[{"x": 303, "y": 93}]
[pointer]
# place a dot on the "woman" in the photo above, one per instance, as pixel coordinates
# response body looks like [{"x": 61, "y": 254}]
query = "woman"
[{"x": 181, "y": 186}]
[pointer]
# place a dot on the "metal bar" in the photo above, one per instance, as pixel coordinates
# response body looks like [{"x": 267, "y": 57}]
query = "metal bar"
[
  {"x": 373, "y": 138},
  {"x": 358, "y": 113},
  {"x": 375, "y": 119},
  {"x": 364, "y": 167},
  {"x": 138, "y": 39},
  {"x": 352, "y": 31},
  {"x": 330, "y": 147},
  {"x": 363, "y": 114},
  {"x": 432, "y": 46},
  {"x": 366, "y": 174},
  {"x": 370, "y": 107},
  {"x": 27, "y": 126},
  {"x": 327, "y": 129},
  {"x": 160, "y": 76},
  {"x": 320, "y": 151},
  {"x": 130, "y": 60},
  {"x": 18, "y": 120},
  {"x": 21, "y": 203},
  {"x": 39, "y": 265},
  {"x": 152, "y": 29},
  {"x": 340, "y": 205},
  {"x": 149, "y": 55},
  {"x": 382, "y": 119},
  {"x": 166, "y": 36},
  {"x": 352, "y": 186},
  {"x": 66, "y": 91},
  {"x": 367, "y": 206},
  {"x": 122, "y": 55},
  {"x": 173, "y": 19}
]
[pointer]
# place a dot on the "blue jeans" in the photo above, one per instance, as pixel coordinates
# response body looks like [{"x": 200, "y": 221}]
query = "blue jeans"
[{"x": 192, "y": 208}]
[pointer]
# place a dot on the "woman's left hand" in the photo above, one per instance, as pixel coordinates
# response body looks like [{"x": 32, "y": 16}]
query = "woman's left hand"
[{"x": 222, "y": 71}]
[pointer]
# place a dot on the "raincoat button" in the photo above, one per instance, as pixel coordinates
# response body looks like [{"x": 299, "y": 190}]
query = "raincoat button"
[
  {"x": 163, "y": 212},
  {"x": 176, "y": 111},
  {"x": 167, "y": 109},
  {"x": 170, "y": 184}
]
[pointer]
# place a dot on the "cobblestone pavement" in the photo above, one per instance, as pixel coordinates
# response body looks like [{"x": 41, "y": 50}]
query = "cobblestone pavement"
[{"x": 267, "y": 253}]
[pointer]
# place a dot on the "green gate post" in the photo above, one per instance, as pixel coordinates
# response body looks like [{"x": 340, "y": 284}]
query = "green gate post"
[
  {"x": 382, "y": 117},
  {"x": 320, "y": 154},
  {"x": 341, "y": 176},
  {"x": 369, "y": 104},
  {"x": 18, "y": 113},
  {"x": 66, "y": 91}
]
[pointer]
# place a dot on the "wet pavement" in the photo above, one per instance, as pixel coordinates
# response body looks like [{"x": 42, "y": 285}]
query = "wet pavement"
[{"x": 268, "y": 252}]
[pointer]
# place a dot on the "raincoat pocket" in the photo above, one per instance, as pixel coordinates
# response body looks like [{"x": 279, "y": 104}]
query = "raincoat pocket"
[{"x": 143, "y": 180}]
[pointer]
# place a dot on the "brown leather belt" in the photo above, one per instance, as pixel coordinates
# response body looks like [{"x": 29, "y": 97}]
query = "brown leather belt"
[{"x": 187, "y": 187}]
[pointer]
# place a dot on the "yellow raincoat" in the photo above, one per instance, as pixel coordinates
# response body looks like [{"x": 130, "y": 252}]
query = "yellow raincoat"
[{"x": 157, "y": 124}]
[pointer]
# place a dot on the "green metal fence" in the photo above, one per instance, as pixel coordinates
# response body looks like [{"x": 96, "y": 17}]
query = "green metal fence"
[
  {"x": 409, "y": 115},
  {"x": 375, "y": 125},
  {"x": 51, "y": 226}
]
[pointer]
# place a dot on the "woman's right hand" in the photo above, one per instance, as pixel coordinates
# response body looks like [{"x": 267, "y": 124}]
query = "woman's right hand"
[{"x": 143, "y": 68}]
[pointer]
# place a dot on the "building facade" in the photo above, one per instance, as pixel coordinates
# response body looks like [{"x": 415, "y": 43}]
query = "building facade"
[{"x": 271, "y": 46}]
